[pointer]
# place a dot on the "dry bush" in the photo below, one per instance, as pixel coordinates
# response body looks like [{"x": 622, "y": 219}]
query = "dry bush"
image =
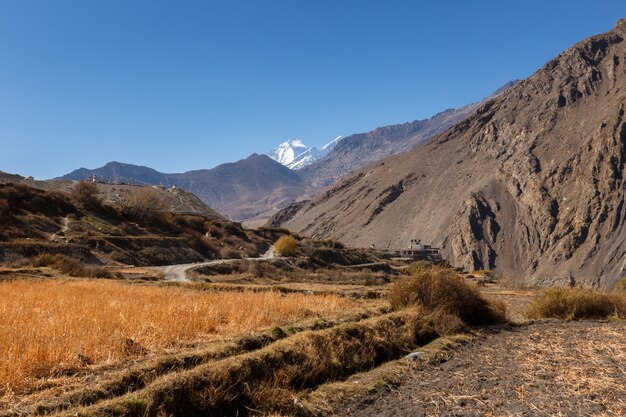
[
  {"x": 441, "y": 321},
  {"x": 70, "y": 266},
  {"x": 333, "y": 244},
  {"x": 86, "y": 194},
  {"x": 46, "y": 325},
  {"x": 577, "y": 303},
  {"x": 443, "y": 290},
  {"x": 146, "y": 205},
  {"x": 418, "y": 267},
  {"x": 32, "y": 200},
  {"x": 227, "y": 252},
  {"x": 286, "y": 246}
]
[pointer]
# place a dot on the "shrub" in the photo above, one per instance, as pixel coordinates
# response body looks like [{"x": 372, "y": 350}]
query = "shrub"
[
  {"x": 86, "y": 194},
  {"x": 22, "y": 197},
  {"x": 286, "y": 246},
  {"x": 70, "y": 266},
  {"x": 229, "y": 253},
  {"x": 146, "y": 205},
  {"x": 621, "y": 285},
  {"x": 334, "y": 244},
  {"x": 577, "y": 303},
  {"x": 444, "y": 291},
  {"x": 417, "y": 267},
  {"x": 4, "y": 205}
]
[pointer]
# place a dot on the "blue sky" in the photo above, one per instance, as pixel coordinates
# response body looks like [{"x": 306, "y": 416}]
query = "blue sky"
[{"x": 181, "y": 85}]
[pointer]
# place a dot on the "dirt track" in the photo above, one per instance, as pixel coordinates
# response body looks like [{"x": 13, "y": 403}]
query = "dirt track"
[
  {"x": 178, "y": 273},
  {"x": 543, "y": 369}
]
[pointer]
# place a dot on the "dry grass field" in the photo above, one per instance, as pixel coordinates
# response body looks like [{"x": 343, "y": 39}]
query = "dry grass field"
[{"x": 48, "y": 328}]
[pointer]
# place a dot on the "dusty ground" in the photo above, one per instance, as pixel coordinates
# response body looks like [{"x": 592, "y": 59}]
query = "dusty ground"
[{"x": 547, "y": 368}]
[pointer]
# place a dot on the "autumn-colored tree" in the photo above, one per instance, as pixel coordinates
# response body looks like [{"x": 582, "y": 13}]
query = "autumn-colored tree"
[{"x": 286, "y": 246}]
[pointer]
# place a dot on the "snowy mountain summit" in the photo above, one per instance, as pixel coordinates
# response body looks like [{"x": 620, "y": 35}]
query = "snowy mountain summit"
[{"x": 294, "y": 154}]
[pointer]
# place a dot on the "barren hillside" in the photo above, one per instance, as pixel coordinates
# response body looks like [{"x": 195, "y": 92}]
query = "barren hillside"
[{"x": 532, "y": 184}]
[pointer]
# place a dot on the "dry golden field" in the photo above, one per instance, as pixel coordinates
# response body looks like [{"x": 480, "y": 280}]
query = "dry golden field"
[{"x": 51, "y": 327}]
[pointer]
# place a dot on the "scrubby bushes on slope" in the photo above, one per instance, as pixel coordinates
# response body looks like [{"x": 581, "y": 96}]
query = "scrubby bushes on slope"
[{"x": 70, "y": 266}]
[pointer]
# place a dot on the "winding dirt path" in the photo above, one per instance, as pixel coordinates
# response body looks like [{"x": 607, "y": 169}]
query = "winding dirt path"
[
  {"x": 64, "y": 228},
  {"x": 548, "y": 368},
  {"x": 178, "y": 273}
]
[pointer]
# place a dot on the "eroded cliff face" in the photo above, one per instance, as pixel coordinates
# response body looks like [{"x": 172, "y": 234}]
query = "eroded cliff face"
[{"x": 532, "y": 184}]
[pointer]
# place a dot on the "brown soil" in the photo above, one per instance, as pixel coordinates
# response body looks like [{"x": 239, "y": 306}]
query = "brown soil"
[{"x": 544, "y": 368}]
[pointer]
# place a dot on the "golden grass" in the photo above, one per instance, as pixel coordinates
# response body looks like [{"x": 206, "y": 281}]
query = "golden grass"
[
  {"x": 445, "y": 292},
  {"x": 267, "y": 380},
  {"x": 577, "y": 303},
  {"x": 50, "y": 327}
]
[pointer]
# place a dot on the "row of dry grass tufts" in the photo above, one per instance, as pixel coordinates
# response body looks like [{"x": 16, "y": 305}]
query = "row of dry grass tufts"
[
  {"x": 446, "y": 294},
  {"x": 48, "y": 328},
  {"x": 578, "y": 303},
  {"x": 266, "y": 380}
]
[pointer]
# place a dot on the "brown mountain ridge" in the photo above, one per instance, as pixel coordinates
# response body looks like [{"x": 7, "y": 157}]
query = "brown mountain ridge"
[
  {"x": 254, "y": 188},
  {"x": 532, "y": 184}
]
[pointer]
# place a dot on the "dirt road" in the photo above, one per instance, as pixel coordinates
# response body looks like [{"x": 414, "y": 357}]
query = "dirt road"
[
  {"x": 178, "y": 273},
  {"x": 543, "y": 369}
]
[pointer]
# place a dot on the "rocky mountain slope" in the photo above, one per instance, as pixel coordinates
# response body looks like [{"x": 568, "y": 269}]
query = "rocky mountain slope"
[
  {"x": 531, "y": 184},
  {"x": 361, "y": 149}
]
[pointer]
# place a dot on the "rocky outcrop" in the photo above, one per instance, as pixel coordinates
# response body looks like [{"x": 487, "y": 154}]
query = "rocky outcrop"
[{"x": 531, "y": 184}]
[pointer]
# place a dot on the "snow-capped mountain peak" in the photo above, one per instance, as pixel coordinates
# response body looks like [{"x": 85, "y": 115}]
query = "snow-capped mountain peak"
[
  {"x": 287, "y": 152},
  {"x": 294, "y": 154}
]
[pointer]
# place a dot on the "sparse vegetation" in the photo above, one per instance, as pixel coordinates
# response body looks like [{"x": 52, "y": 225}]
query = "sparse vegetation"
[
  {"x": 146, "y": 206},
  {"x": 621, "y": 285},
  {"x": 48, "y": 328},
  {"x": 286, "y": 246},
  {"x": 70, "y": 266},
  {"x": 86, "y": 194},
  {"x": 442, "y": 290},
  {"x": 577, "y": 303},
  {"x": 418, "y": 267}
]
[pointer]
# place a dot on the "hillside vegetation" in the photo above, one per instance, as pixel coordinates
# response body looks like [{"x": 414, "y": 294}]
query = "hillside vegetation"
[{"x": 141, "y": 230}]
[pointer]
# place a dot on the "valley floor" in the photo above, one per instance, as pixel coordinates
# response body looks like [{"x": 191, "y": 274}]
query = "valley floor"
[
  {"x": 353, "y": 354},
  {"x": 545, "y": 368}
]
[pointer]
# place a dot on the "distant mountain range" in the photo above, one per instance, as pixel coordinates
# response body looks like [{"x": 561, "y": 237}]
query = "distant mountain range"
[
  {"x": 241, "y": 190},
  {"x": 256, "y": 187}
]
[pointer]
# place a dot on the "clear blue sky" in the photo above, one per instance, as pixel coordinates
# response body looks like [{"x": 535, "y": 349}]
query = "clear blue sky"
[{"x": 181, "y": 85}]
